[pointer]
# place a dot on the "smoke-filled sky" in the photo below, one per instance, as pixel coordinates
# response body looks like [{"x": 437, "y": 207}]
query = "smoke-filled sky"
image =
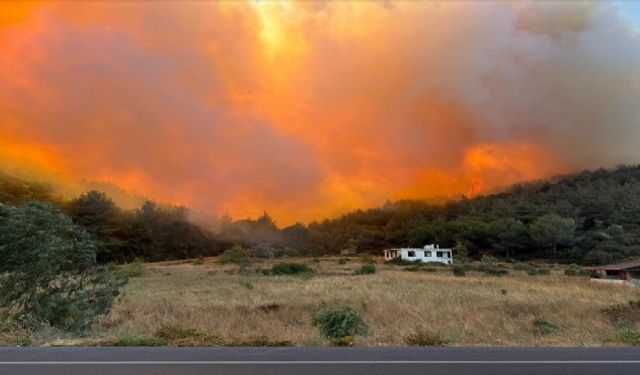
[{"x": 309, "y": 109}]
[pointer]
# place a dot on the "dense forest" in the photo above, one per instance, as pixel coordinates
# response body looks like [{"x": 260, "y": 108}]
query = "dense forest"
[{"x": 591, "y": 218}]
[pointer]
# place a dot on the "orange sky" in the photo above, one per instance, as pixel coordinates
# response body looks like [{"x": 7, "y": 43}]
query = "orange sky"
[{"x": 310, "y": 109}]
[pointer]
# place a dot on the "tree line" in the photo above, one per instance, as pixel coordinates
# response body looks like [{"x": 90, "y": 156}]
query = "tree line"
[{"x": 592, "y": 217}]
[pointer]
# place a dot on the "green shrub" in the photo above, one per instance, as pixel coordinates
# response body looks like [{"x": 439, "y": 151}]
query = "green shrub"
[
  {"x": 367, "y": 259},
  {"x": 629, "y": 333},
  {"x": 24, "y": 341},
  {"x": 544, "y": 326},
  {"x": 497, "y": 271},
  {"x": 343, "y": 260},
  {"x": 521, "y": 266},
  {"x": 423, "y": 337},
  {"x": 236, "y": 255},
  {"x": 339, "y": 322},
  {"x": 140, "y": 341},
  {"x": 199, "y": 260},
  {"x": 290, "y": 269},
  {"x": 538, "y": 271},
  {"x": 460, "y": 270},
  {"x": 133, "y": 269},
  {"x": 48, "y": 270},
  {"x": 575, "y": 270},
  {"x": 367, "y": 269}
]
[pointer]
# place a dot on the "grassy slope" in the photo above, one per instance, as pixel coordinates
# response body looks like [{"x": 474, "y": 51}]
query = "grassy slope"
[{"x": 473, "y": 310}]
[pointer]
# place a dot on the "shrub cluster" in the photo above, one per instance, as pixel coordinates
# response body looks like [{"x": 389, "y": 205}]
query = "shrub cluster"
[
  {"x": 544, "y": 326},
  {"x": 367, "y": 269},
  {"x": 339, "y": 324},
  {"x": 288, "y": 269}
]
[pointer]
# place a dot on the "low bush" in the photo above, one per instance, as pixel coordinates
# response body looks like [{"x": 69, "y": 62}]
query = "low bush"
[
  {"x": 629, "y": 333},
  {"x": 133, "y": 269},
  {"x": 236, "y": 255},
  {"x": 575, "y": 270},
  {"x": 424, "y": 337},
  {"x": 290, "y": 269},
  {"x": 460, "y": 270},
  {"x": 367, "y": 269},
  {"x": 538, "y": 272},
  {"x": 544, "y": 326},
  {"x": 367, "y": 259},
  {"x": 522, "y": 266},
  {"x": 343, "y": 260},
  {"x": 339, "y": 323},
  {"x": 198, "y": 261}
]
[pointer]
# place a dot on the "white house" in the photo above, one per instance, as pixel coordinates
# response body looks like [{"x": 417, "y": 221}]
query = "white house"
[{"x": 429, "y": 253}]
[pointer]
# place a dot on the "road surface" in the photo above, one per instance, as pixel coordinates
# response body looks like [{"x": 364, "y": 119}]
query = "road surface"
[{"x": 317, "y": 361}]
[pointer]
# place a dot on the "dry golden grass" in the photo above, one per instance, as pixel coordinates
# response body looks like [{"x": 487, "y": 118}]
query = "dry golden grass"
[{"x": 472, "y": 310}]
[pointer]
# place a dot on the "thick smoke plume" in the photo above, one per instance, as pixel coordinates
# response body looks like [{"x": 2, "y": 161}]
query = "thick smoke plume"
[{"x": 309, "y": 109}]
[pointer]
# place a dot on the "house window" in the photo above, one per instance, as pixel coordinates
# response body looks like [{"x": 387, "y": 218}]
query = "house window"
[
  {"x": 427, "y": 254},
  {"x": 440, "y": 254},
  {"x": 411, "y": 254}
]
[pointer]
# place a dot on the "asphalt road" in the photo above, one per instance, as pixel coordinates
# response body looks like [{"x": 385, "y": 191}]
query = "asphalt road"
[{"x": 316, "y": 361}]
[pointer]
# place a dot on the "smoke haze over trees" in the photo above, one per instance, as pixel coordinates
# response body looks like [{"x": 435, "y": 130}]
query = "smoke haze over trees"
[{"x": 592, "y": 217}]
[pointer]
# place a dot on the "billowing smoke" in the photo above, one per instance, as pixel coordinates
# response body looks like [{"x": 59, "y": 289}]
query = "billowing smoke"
[{"x": 309, "y": 109}]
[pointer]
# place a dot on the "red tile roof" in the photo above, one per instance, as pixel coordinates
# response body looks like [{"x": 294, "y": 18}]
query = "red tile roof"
[{"x": 619, "y": 266}]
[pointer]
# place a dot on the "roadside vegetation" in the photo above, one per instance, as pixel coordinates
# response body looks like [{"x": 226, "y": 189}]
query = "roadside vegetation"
[
  {"x": 520, "y": 272},
  {"x": 213, "y": 304}
]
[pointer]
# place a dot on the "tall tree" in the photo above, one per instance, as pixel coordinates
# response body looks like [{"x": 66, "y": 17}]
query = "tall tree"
[
  {"x": 551, "y": 230},
  {"x": 49, "y": 271}
]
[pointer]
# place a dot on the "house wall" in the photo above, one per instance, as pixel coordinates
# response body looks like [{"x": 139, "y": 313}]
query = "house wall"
[{"x": 419, "y": 254}]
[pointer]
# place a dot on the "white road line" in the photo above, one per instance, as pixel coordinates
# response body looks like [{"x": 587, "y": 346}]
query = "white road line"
[{"x": 170, "y": 363}]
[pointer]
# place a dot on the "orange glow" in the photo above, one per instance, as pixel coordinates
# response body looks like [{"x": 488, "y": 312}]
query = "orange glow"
[{"x": 310, "y": 109}]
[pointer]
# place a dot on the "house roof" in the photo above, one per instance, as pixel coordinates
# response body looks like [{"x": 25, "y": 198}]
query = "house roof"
[{"x": 619, "y": 266}]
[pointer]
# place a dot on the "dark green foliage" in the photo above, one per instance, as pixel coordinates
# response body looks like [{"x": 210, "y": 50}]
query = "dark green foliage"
[
  {"x": 236, "y": 255},
  {"x": 343, "y": 260},
  {"x": 133, "y": 269},
  {"x": 367, "y": 269},
  {"x": 490, "y": 266},
  {"x": 49, "y": 271},
  {"x": 587, "y": 218},
  {"x": 339, "y": 322},
  {"x": 544, "y": 326},
  {"x": 575, "y": 270},
  {"x": 460, "y": 269},
  {"x": 538, "y": 272},
  {"x": 629, "y": 333},
  {"x": 101, "y": 218},
  {"x": 290, "y": 269},
  {"x": 551, "y": 230}
]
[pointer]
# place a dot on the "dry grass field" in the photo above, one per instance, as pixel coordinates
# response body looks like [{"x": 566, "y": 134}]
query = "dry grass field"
[
  {"x": 211, "y": 304},
  {"x": 472, "y": 310}
]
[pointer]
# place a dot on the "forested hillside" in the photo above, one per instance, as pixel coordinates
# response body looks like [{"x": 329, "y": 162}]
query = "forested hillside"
[{"x": 592, "y": 217}]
